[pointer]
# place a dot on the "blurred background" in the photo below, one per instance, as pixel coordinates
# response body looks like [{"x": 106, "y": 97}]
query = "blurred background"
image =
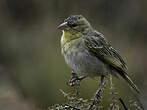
[{"x": 32, "y": 69}]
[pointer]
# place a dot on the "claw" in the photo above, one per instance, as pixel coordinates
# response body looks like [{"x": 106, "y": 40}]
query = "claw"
[
  {"x": 74, "y": 79},
  {"x": 72, "y": 82}
]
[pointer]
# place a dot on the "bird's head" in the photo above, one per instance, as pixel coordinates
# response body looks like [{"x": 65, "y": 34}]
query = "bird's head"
[{"x": 75, "y": 23}]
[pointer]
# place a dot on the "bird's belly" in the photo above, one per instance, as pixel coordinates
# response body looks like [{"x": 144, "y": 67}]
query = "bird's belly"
[{"x": 85, "y": 64}]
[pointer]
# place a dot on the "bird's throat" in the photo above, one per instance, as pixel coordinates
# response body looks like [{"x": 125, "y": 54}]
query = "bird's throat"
[{"x": 69, "y": 36}]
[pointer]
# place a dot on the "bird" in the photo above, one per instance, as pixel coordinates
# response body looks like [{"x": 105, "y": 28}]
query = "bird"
[{"x": 87, "y": 52}]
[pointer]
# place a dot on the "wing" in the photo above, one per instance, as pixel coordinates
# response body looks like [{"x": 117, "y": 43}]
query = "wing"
[{"x": 98, "y": 46}]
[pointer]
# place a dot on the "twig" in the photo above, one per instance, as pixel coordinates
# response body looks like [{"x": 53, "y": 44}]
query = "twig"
[
  {"x": 123, "y": 104},
  {"x": 65, "y": 94},
  {"x": 73, "y": 107}
]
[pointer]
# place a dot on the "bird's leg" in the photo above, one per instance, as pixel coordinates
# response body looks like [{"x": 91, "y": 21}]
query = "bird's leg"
[
  {"x": 113, "y": 105},
  {"x": 75, "y": 81},
  {"x": 112, "y": 88},
  {"x": 97, "y": 96}
]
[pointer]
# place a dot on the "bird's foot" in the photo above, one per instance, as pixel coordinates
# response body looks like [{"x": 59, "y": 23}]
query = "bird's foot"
[{"x": 75, "y": 82}]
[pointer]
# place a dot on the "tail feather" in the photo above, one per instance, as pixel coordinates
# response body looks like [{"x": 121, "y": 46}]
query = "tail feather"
[
  {"x": 130, "y": 82},
  {"x": 125, "y": 76}
]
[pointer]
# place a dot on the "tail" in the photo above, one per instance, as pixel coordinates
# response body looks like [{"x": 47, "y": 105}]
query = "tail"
[
  {"x": 130, "y": 82},
  {"x": 128, "y": 79}
]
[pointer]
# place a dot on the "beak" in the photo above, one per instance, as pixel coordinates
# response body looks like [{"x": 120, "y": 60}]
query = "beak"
[{"x": 62, "y": 26}]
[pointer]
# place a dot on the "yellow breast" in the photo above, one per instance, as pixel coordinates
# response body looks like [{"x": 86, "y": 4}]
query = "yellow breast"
[{"x": 68, "y": 36}]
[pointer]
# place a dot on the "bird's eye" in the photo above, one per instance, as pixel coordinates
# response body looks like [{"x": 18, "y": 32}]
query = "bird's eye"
[
  {"x": 71, "y": 24},
  {"x": 74, "y": 25},
  {"x": 79, "y": 17}
]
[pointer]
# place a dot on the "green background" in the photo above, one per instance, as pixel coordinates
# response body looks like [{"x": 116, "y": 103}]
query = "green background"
[{"x": 32, "y": 69}]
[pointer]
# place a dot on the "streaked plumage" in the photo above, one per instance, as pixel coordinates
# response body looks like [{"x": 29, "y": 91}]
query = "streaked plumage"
[{"x": 88, "y": 53}]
